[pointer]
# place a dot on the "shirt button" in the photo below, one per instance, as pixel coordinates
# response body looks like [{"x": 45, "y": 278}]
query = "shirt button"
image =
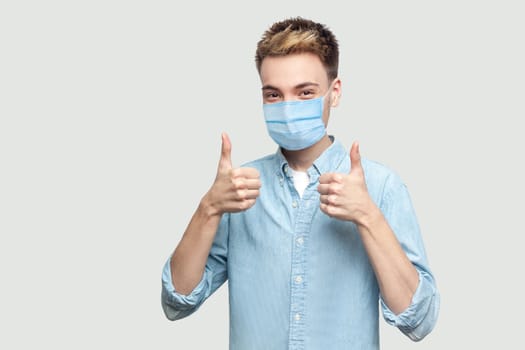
[
  {"x": 298, "y": 279},
  {"x": 300, "y": 241},
  {"x": 297, "y": 317},
  {"x": 294, "y": 204}
]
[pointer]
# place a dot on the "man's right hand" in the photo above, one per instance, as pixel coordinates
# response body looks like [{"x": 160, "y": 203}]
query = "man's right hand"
[{"x": 233, "y": 190}]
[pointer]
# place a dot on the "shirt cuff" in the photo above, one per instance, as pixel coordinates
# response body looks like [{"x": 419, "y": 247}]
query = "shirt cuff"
[
  {"x": 419, "y": 318},
  {"x": 177, "y": 300}
]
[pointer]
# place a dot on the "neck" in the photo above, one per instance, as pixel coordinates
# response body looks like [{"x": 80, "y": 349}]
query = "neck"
[{"x": 303, "y": 159}]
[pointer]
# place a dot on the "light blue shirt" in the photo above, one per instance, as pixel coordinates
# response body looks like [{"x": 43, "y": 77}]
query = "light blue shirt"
[{"x": 299, "y": 279}]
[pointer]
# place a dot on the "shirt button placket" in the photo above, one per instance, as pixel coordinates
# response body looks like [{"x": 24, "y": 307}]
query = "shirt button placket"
[{"x": 303, "y": 219}]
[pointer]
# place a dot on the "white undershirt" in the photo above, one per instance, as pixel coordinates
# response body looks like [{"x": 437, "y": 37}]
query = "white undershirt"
[{"x": 300, "y": 180}]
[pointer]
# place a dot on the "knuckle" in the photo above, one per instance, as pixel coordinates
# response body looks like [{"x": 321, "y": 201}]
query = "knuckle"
[
  {"x": 239, "y": 184},
  {"x": 240, "y": 194},
  {"x": 246, "y": 204},
  {"x": 235, "y": 172}
]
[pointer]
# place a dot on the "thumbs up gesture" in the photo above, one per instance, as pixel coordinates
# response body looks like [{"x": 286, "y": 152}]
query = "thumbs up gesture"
[
  {"x": 234, "y": 189},
  {"x": 345, "y": 196}
]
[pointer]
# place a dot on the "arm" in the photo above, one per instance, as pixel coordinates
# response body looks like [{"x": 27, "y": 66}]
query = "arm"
[
  {"x": 419, "y": 318},
  {"x": 396, "y": 276},
  {"x": 233, "y": 190},
  {"x": 188, "y": 261},
  {"x": 392, "y": 241},
  {"x": 177, "y": 304}
]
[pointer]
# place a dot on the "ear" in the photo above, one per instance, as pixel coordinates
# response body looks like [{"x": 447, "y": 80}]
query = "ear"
[{"x": 335, "y": 94}]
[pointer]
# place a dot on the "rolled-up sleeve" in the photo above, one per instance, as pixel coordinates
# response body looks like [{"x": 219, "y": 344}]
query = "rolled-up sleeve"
[
  {"x": 420, "y": 317},
  {"x": 177, "y": 305}
]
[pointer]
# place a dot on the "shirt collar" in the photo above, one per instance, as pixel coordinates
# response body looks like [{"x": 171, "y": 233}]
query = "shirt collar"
[{"x": 327, "y": 162}]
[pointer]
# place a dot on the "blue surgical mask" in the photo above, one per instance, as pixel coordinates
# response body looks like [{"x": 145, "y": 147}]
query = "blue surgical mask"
[{"x": 295, "y": 125}]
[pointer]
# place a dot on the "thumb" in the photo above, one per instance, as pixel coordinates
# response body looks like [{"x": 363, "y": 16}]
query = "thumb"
[
  {"x": 226, "y": 152},
  {"x": 355, "y": 158}
]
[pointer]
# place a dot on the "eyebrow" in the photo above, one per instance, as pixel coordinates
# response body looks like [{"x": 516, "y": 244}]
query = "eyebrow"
[{"x": 296, "y": 87}]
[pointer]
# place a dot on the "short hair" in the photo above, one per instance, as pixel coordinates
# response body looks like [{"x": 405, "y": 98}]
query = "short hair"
[{"x": 299, "y": 35}]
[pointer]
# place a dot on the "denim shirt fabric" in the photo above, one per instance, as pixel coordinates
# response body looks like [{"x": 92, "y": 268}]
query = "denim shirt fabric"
[{"x": 299, "y": 279}]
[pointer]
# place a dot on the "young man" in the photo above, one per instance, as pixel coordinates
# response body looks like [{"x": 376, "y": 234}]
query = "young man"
[{"x": 311, "y": 237}]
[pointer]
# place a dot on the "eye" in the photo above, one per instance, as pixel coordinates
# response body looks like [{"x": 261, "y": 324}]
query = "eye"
[
  {"x": 271, "y": 96},
  {"x": 307, "y": 93}
]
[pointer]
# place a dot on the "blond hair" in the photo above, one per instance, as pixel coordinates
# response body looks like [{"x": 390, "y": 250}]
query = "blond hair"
[{"x": 299, "y": 35}]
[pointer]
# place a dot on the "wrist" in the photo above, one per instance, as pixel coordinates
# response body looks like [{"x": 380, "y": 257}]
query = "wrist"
[
  {"x": 370, "y": 215},
  {"x": 207, "y": 208}
]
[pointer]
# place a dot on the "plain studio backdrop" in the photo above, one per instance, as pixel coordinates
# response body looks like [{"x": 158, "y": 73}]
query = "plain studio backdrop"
[{"x": 110, "y": 121}]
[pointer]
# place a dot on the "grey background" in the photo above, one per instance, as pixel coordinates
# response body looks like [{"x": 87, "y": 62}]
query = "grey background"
[{"x": 110, "y": 121}]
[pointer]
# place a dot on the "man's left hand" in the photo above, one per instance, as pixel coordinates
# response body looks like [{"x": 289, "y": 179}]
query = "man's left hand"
[{"x": 345, "y": 196}]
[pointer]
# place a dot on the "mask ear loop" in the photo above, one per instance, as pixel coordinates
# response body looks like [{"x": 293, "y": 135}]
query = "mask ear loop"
[{"x": 329, "y": 91}]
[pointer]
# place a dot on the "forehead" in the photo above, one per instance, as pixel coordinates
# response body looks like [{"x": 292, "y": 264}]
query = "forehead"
[{"x": 291, "y": 70}]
